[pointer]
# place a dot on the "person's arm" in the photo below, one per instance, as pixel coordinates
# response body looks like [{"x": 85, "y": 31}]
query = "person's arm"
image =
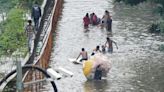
[
  {"x": 84, "y": 20},
  {"x": 32, "y": 13},
  {"x": 78, "y": 56},
  {"x": 103, "y": 17},
  {"x": 33, "y": 28},
  {"x": 87, "y": 55},
  {"x": 94, "y": 49},
  {"x": 40, "y": 13},
  {"x": 115, "y": 44},
  {"x": 106, "y": 43}
]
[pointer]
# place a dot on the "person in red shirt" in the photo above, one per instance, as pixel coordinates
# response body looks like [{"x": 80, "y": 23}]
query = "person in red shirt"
[
  {"x": 86, "y": 21},
  {"x": 94, "y": 19}
]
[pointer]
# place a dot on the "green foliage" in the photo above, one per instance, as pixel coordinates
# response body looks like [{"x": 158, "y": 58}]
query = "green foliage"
[
  {"x": 158, "y": 1},
  {"x": 159, "y": 10},
  {"x": 161, "y": 47},
  {"x": 154, "y": 28},
  {"x": 118, "y": 0},
  {"x": 157, "y": 27},
  {"x": 161, "y": 26},
  {"x": 135, "y": 2},
  {"x": 6, "y": 5},
  {"x": 131, "y": 2},
  {"x": 13, "y": 36},
  {"x": 27, "y": 4}
]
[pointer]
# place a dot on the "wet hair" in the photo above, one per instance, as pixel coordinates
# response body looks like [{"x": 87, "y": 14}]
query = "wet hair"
[
  {"x": 87, "y": 15},
  {"x": 106, "y": 11},
  {"x": 29, "y": 21},
  {"x": 108, "y": 38},
  {"x": 99, "y": 66},
  {"x": 83, "y": 49},
  {"x": 92, "y": 54},
  {"x": 97, "y": 47}
]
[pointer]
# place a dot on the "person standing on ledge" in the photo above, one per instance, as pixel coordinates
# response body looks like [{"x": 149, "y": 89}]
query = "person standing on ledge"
[
  {"x": 30, "y": 32},
  {"x": 36, "y": 14}
]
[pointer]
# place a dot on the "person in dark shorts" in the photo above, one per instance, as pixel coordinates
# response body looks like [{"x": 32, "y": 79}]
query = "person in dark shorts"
[{"x": 109, "y": 24}]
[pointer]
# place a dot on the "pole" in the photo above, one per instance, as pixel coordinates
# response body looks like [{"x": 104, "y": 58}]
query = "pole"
[{"x": 19, "y": 83}]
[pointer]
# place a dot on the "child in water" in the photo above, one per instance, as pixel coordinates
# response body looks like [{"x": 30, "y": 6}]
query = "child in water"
[{"x": 103, "y": 49}]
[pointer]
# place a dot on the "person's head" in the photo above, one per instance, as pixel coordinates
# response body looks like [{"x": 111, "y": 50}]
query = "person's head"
[
  {"x": 92, "y": 54},
  {"x": 35, "y": 2},
  {"x": 93, "y": 13},
  {"x": 99, "y": 66},
  {"x": 106, "y": 12},
  {"x": 97, "y": 47},
  {"x": 29, "y": 21},
  {"x": 108, "y": 38},
  {"x": 103, "y": 46},
  {"x": 87, "y": 15},
  {"x": 82, "y": 49}
]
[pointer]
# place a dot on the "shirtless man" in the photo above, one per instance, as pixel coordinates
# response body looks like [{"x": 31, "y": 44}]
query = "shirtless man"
[
  {"x": 84, "y": 55},
  {"x": 107, "y": 21},
  {"x": 110, "y": 45}
]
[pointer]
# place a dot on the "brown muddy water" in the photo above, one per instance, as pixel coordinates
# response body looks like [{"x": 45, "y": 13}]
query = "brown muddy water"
[{"x": 137, "y": 66}]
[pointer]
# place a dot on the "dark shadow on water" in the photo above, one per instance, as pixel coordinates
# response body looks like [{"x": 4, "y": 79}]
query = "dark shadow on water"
[
  {"x": 109, "y": 34},
  {"x": 96, "y": 85},
  {"x": 86, "y": 30}
]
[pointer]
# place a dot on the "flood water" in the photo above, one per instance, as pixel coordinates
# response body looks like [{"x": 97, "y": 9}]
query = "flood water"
[{"x": 137, "y": 64}]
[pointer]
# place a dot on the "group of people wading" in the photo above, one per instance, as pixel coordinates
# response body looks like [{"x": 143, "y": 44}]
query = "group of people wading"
[
  {"x": 105, "y": 22},
  {"x": 108, "y": 44}
]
